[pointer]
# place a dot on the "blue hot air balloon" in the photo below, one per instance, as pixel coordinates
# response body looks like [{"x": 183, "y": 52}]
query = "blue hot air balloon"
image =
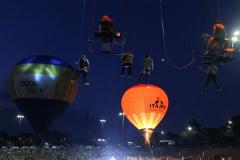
[{"x": 41, "y": 88}]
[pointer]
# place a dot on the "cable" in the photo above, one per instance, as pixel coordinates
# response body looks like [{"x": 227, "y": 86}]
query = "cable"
[
  {"x": 165, "y": 47},
  {"x": 83, "y": 24},
  {"x": 218, "y": 9},
  {"x": 92, "y": 25}
]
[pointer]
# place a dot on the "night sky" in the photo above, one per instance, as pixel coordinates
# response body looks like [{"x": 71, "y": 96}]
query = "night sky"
[{"x": 61, "y": 28}]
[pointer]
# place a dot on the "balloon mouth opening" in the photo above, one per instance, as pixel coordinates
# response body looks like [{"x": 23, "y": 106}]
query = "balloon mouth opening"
[{"x": 147, "y": 134}]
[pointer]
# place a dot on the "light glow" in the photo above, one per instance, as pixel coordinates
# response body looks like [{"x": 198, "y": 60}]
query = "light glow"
[
  {"x": 234, "y": 39},
  {"x": 236, "y": 33}
]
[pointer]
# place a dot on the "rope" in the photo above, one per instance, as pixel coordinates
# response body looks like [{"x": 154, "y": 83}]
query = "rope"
[
  {"x": 218, "y": 9},
  {"x": 83, "y": 25},
  {"x": 165, "y": 47},
  {"x": 124, "y": 17},
  {"x": 92, "y": 25}
]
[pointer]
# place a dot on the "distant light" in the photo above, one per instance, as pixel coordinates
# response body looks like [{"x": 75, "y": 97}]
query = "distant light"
[
  {"x": 130, "y": 143},
  {"x": 101, "y": 140},
  {"x": 20, "y": 116},
  {"x": 236, "y": 33},
  {"x": 103, "y": 120},
  {"x": 230, "y": 122},
  {"x": 234, "y": 39},
  {"x": 162, "y": 132},
  {"x": 112, "y": 158},
  {"x": 162, "y": 59},
  {"x": 121, "y": 114},
  {"x": 189, "y": 128}
]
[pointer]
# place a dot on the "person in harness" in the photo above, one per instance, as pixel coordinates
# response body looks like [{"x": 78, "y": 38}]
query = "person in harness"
[
  {"x": 83, "y": 67},
  {"x": 218, "y": 48},
  {"x": 127, "y": 60},
  {"x": 106, "y": 29},
  {"x": 212, "y": 75},
  {"x": 219, "y": 33},
  {"x": 147, "y": 68}
]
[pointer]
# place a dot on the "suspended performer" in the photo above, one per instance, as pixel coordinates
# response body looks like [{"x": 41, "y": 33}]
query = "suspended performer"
[
  {"x": 106, "y": 29},
  {"x": 218, "y": 48},
  {"x": 147, "y": 68},
  {"x": 219, "y": 33},
  {"x": 212, "y": 75},
  {"x": 83, "y": 67},
  {"x": 127, "y": 60}
]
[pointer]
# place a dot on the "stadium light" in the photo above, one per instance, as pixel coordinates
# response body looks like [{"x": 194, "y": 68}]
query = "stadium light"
[
  {"x": 101, "y": 140},
  {"x": 102, "y": 121},
  {"x": 20, "y": 117},
  {"x": 121, "y": 113}
]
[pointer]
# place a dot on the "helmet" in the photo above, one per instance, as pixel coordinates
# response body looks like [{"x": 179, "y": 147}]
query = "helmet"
[
  {"x": 218, "y": 25},
  {"x": 106, "y": 18}
]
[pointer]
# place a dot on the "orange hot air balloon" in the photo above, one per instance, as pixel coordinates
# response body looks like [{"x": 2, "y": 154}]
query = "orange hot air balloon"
[{"x": 145, "y": 106}]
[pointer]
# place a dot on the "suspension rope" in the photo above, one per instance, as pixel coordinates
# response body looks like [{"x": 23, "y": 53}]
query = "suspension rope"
[
  {"x": 83, "y": 25},
  {"x": 218, "y": 9},
  {"x": 92, "y": 25},
  {"x": 165, "y": 46},
  {"x": 124, "y": 16}
]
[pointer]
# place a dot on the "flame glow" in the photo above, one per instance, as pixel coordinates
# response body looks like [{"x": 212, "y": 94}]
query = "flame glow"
[{"x": 147, "y": 133}]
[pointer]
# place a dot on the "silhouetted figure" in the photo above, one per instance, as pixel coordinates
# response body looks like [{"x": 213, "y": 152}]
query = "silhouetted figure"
[
  {"x": 127, "y": 60},
  {"x": 147, "y": 68},
  {"x": 83, "y": 67}
]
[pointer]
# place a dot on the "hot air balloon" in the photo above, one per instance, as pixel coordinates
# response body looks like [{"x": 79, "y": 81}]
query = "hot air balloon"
[
  {"x": 41, "y": 88},
  {"x": 145, "y": 106}
]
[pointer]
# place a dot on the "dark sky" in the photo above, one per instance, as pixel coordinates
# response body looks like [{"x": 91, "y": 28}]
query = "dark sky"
[{"x": 57, "y": 27}]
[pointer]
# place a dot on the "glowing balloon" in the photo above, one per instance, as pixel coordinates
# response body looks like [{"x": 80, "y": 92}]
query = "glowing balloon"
[
  {"x": 145, "y": 106},
  {"x": 41, "y": 88}
]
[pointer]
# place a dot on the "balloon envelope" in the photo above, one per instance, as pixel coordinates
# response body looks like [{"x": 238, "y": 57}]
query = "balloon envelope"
[
  {"x": 145, "y": 105},
  {"x": 40, "y": 86}
]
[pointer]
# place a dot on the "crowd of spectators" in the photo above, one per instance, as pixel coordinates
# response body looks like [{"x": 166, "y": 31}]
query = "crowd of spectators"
[{"x": 113, "y": 153}]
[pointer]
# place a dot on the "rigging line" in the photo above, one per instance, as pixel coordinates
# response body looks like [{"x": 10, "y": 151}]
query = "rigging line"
[
  {"x": 92, "y": 24},
  {"x": 165, "y": 47},
  {"x": 189, "y": 30},
  {"x": 123, "y": 23},
  {"x": 218, "y": 9},
  {"x": 83, "y": 25},
  {"x": 124, "y": 15}
]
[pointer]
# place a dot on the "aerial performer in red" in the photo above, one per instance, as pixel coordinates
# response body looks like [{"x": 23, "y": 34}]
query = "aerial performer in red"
[
  {"x": 107, "y": 35},
  {"x": 218, "y": 48},
  {"x": 106, "y": 29}
]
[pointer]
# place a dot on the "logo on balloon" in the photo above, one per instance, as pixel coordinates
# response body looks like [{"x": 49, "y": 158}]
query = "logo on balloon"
[
  {"x": 28, "y": 84},
  {"x": 158, "y": 104}
]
